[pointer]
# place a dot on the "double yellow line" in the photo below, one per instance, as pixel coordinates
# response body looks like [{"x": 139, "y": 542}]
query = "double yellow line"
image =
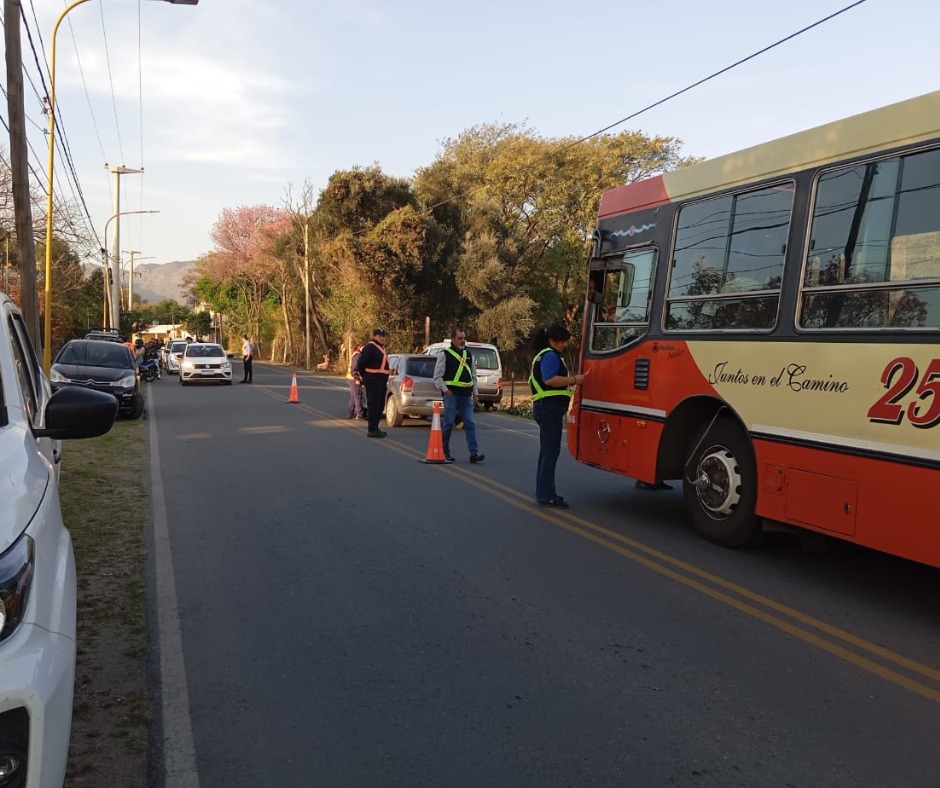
[{"x": 877, "y": 660}]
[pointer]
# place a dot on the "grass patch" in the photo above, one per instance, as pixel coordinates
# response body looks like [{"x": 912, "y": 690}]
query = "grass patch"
[
  {"x": 105, "y": 493},
  {"x": 520, "y": 407}
]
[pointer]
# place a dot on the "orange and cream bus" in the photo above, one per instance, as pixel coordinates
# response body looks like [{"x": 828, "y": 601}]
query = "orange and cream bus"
[{"x": 765, "y": 326}]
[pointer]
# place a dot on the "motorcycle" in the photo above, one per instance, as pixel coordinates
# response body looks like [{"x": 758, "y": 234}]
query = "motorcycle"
[{"x": 149, "y": 370}]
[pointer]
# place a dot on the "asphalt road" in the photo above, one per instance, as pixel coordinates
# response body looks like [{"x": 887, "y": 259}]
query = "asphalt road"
[{"x": 331, "y": 612}]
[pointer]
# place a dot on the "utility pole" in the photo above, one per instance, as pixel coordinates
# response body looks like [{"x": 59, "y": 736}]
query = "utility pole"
[
  {"x": 105, "y": 276},
  {"x": 6, "y": 264},
  {"x": 130, "y": 281},
  {"x": 116, "y": 255},
  {"x": 307, "y": 285},
  {"x": 19, "y": 163}
]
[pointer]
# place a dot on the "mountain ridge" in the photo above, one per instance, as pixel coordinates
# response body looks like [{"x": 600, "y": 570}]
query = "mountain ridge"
[{"x": 155, "y": 282}]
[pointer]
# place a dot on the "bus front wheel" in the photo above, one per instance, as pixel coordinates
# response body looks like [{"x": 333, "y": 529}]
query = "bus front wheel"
[{"x": 720, "y": 485}]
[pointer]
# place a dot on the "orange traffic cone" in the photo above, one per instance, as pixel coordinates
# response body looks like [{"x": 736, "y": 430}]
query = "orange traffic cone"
[
  {"x": 293, "y": 390},
  {"x": 435, "y": 455}
]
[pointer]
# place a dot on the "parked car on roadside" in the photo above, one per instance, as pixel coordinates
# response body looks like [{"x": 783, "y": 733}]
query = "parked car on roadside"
[
  {"x": 37, "y": 563},
  {"x": 102, "y": 366},
  {"x": 173, "y": 356},
  {"x": 489, "y": 368},
  {"x": 205, "y": 362},
  {"x": 107, "y": 335},
  {"x": 411, "y": 390}
]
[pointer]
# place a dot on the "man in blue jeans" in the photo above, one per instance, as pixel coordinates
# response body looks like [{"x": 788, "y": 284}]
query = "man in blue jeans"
[{"x": 456, "y": 379}]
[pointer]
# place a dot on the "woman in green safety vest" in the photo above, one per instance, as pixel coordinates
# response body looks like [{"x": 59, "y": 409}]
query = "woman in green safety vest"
[{"x": 551, "y": 392}]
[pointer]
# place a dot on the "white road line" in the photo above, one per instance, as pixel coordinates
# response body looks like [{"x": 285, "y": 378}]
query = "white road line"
[{"x": 179, "y": 748}]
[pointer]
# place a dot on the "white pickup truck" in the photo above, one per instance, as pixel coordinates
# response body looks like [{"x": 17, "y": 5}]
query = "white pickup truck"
[{"x": 37, "y": 566}]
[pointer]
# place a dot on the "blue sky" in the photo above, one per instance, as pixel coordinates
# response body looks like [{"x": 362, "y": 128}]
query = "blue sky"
[{"x": 242, "y": 98}]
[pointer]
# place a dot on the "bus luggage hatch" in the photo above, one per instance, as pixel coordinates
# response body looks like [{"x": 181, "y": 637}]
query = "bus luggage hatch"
[{"x": 825, "y": 502}]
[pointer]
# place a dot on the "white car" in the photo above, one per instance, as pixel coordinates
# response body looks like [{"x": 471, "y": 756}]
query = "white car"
[
  {"x": 37, "y": 566},
  {"x": 489, "y": 369},
  {"x": 205, "y": 362},
  {"x": 173, "y": 356}
]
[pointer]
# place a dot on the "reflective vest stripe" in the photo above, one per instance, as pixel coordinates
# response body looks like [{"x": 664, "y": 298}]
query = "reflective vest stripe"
[
  {"x": 537, "y": 391},
  {"x": 462, "y": 366},
  {"x": 383, "y": 370}
]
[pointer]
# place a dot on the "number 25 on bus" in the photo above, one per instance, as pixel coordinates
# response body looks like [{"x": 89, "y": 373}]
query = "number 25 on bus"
[{"x": 765, "y": 326}]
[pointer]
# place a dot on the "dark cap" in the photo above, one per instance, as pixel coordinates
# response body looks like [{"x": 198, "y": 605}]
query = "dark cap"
[{"x": 380, "y": 332}]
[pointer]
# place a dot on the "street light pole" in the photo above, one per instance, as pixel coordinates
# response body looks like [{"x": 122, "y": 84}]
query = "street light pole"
[
  {"x": 114, "y": 273},
  {"x": 116, "y": 258},
  {"x": 47, "y": 323}
]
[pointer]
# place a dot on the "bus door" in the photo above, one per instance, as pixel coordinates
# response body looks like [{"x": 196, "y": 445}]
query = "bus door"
[{"x": 617, "y": 316}]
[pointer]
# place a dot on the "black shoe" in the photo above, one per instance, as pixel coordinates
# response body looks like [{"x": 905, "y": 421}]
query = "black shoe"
[
  {"x": 558, "y": 502},
  {"x": 243, "y": 381},
  {"x": 448, "y": 458},
  {"x": 477, "y": 457},
  {"x": 375, "y": 434}
]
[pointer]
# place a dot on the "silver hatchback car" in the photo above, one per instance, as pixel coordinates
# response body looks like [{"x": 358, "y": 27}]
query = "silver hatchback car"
[{"x": 411, "y": 389}]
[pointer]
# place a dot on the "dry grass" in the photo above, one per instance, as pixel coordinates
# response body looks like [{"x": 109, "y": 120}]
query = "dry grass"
[{"x": 105, "y": 493}]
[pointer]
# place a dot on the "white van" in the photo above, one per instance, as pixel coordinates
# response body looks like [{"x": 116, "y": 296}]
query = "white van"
[{"x": 489, "y": 367}]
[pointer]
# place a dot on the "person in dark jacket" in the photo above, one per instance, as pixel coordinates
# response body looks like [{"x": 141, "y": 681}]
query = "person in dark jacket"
[
  {"x": 373, "y": 368},
  {"x": 551, "y": 392},
  {"x": 354, "y": 408}
]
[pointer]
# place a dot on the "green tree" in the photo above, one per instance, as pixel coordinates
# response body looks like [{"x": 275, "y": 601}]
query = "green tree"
[
  {"x": 523, "y": 208},
  {"x": 199, "y": 324},
  {"x": 377, "y": 251}
]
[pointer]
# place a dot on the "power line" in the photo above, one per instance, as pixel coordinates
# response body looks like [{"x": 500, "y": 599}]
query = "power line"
[
  {"x": 678, "y": 92},
  {"x": 716, "y": 74},
  {"x": 107, "y": 57},
  {"x": 91, "y": 110},
  {"x": 61, "y": 139},
  {"x": 140, "y": 94}
]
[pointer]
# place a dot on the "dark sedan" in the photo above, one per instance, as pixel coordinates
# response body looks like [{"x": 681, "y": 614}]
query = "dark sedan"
[{"x": 103, "y": 366}]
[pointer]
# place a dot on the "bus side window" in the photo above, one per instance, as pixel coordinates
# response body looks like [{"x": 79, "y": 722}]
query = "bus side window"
[{"x": 634, "y": 302}]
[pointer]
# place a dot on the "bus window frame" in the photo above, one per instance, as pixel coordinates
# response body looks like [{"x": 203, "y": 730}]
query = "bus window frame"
[
  {"x": 790, "y": 180},
  {"x": 895, "y": 286},
  {"x": 614, "y": 261}
]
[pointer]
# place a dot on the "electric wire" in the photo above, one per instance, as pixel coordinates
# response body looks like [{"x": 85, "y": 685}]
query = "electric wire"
[
  {"x": 107, "y": 57},
  {"x": 686, "y": 89},
  {"x": 91, "y": 110},
  {"x": 7, "y": 163},
  {"x": 29, "y": 142},
  {"x": 61, "y": 138},
  {"x": 718, "y": 73},
  {"x": 140, "y": 95},
  {"x": 570, "y": 145}
]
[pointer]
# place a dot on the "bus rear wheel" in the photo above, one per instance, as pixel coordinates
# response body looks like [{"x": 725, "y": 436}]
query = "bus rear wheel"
[{"x": 720, "y": 485}]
